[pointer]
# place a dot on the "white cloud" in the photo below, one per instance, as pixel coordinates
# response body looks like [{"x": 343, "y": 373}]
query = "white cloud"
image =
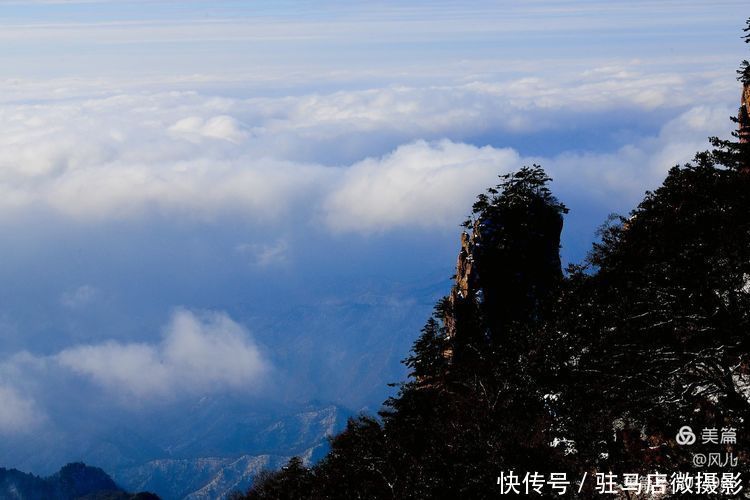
[
  {"x": 17, "y": 413},
  {"x": 202, "y": 188},
  {"x": 619, "y": 178},
  {"x": 198, "y": 353},
  {"x": 421, "y": 184},
  {"x": 434, "y": 184},
  {"x": 366, "y": 160},
  {"x": 218, "y": 127}
]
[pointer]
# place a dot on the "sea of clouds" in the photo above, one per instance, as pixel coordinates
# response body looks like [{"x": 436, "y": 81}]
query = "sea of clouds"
[
  {"x": 362, "y": 163},
  {"x": 267, "y": 206}
]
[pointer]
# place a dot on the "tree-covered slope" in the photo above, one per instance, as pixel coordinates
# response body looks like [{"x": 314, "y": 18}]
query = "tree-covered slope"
[{"x": 74, "y": 481}]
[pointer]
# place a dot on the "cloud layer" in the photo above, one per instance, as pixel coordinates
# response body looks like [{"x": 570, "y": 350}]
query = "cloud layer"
[
  {"x": 198, "y": 353},
  {"x": 365, "y": 161},
  {"x": 420, "y": 185},
  {"x": 17, "y": 412},
  {"x": 188, "y": 158}
]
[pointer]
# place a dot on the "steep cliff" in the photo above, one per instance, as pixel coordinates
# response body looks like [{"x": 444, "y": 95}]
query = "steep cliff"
[
  {"x": 509, "y": 264},
  {"x": 744, "y": 115}
]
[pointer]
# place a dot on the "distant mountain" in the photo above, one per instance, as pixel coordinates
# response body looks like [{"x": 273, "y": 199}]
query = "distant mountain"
[
  {"x": 186, "y": 470},
  {"x": 75, "y": 481},
  {"x": 214, "y": 447},
  {"x": 200, "y": 478},
  {"x": 209, "y": 478}
]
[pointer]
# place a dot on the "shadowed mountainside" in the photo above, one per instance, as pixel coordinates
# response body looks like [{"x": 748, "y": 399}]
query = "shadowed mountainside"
[{"x": 74, "y": 481}]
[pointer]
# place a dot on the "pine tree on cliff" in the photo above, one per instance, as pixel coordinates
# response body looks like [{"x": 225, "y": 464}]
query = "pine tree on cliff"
[
  {"x": 509, "y": 266},
  {"x": 427, "y": 363},
  {"x": 480, "y": 405}
]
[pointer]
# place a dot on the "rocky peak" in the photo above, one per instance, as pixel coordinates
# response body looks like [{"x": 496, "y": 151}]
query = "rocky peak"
[
  {"x": 744, "y": 115},
  {"x": 508, "y": 263}
]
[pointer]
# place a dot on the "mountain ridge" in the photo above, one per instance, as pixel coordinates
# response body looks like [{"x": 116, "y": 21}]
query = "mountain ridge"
[{"x": 74, "y": 481}]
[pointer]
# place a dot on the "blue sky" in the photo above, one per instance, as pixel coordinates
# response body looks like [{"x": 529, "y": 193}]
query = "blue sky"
[
  {"x": 270, "y": 193},
  {"x": 393, "y": 41}
]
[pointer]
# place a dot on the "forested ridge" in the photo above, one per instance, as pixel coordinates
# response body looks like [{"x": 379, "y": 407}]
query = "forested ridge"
[
  {"x": 525, "y": 367},
  {"x": 74, "y": 481}
]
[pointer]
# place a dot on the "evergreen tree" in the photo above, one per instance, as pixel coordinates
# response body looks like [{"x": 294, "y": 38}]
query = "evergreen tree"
[
  {"x": 427, "y": 361},
  {"x": 293, "y": 482}
]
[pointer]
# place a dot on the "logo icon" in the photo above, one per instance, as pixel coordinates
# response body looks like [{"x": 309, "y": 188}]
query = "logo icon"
[{"x": 686, "y": 436}]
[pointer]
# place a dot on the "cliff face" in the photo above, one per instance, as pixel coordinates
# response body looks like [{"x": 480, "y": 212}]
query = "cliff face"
[
  {"x": 744, "y": 115},
  {"x": 507, "y": 267}
]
